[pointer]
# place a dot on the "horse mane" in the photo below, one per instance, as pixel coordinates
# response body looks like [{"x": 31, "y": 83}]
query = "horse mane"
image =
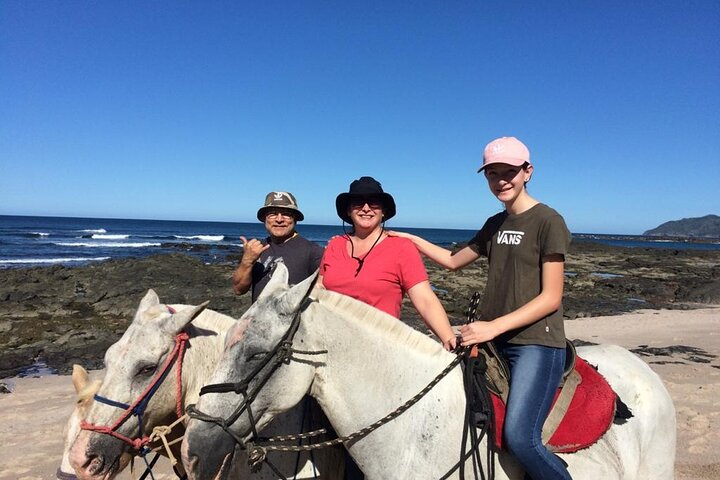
[{"x": 380, "y": 322}]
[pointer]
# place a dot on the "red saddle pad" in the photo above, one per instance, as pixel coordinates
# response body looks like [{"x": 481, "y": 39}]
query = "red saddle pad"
[{"x": 588, "y": 417}]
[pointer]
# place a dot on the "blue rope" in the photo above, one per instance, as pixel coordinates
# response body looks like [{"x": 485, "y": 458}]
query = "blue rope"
[{"x": 112, "y": 403}]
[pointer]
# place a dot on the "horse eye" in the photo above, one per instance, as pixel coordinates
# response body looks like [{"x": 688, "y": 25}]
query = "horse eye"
[{"x": 146, "y": 370}]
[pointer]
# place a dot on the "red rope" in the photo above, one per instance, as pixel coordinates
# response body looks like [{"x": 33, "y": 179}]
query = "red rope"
[
  {"x": 179, "y": 409},
  {"x": 177, "y": 354}
]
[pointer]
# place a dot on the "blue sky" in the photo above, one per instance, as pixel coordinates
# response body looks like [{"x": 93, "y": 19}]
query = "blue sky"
[{"x": 194, "y": 110}]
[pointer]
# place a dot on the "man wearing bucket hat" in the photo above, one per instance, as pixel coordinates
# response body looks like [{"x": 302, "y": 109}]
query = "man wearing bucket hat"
[{"x": 280, "y": 214}]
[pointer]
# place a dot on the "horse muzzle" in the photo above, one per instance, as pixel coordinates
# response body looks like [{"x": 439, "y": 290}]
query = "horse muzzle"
[
  {"x": 96, "y": 456},
  {"x": 207, "y": 451}
]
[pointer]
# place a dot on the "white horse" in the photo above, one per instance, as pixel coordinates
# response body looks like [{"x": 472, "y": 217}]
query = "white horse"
[
  {"x": 133, "y": 362},
  {"x": 373, "y": 364}
]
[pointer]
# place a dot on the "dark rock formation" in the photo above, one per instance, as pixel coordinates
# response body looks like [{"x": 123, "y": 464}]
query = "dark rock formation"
[{"x": 62, "y": 315}]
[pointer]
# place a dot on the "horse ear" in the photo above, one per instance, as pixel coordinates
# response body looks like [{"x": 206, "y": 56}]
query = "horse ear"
[
  {"x": 150, "y": 299},
  {"x": 181, "y": 318},
  {"x": 279, "y": 279},
  {"x": 291, "y": 300},
  {"x": 79, "y": 378}
]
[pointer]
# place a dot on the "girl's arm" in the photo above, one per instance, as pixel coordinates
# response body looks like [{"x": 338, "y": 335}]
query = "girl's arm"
[
  {"x": 432, "y": 312},
  {"x": 549, "y": 300},
  {"x": 437, "y": 254}
]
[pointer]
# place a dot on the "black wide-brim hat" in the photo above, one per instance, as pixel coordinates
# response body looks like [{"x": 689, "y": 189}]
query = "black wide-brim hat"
[{"x": 364, "y": 187}]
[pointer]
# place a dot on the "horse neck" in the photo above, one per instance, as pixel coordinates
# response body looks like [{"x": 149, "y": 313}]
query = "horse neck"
[
  {"x": 370, "y": 361},
  {"x": 204, "y": 352}
]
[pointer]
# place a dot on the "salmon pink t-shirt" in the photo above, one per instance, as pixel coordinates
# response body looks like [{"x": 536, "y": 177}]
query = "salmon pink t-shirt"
[{"x": 390, "y": 269}]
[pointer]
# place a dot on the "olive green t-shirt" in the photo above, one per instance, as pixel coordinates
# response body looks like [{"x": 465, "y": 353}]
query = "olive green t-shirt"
[{"x": 515, "y": 246}]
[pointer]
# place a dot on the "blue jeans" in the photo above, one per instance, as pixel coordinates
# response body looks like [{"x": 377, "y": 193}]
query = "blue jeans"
[{"x": 535, "y": 374}]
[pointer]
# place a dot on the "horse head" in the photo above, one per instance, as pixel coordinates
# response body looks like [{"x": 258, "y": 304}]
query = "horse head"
[
  {"x": 258, "y": 374},
  {"x": 133, "y": 395}
]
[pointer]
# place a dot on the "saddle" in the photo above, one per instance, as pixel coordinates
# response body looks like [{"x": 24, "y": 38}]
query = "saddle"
[{"x": 583, "y": 409}]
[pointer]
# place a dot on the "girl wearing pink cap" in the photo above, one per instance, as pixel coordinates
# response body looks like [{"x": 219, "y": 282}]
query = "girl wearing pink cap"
[{"x": 521, "y": 310}]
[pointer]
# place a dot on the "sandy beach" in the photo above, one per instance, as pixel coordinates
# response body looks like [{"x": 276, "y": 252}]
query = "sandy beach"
[{"x": 683, "y": 347}]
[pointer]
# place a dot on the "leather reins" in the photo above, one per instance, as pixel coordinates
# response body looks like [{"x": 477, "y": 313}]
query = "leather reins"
[{"x": 282, "y": 354}]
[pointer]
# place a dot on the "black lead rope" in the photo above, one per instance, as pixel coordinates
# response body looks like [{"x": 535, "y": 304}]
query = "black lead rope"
[{"x": 479, "y": 413}]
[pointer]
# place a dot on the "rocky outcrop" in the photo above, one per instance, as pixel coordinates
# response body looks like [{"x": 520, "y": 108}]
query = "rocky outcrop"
[{"x": 62, "y": 315}]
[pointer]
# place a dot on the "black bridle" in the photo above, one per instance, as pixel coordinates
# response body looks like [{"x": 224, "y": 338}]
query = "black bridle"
[{"x": 281, "y": 354}]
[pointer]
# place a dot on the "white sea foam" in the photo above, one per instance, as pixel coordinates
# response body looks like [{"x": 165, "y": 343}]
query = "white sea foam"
[
  {"x": 99, "y": 236},
  {"x": 21, "y": 261},
  {"x": 40, "y": 234},
  {"x": 97, "y": 230},
  {"x": 108, "y": 244},
  {"x": 204, "y": 238}
]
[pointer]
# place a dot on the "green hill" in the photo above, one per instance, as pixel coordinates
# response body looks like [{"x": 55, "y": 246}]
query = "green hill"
[{"x": 707, "y": 226}]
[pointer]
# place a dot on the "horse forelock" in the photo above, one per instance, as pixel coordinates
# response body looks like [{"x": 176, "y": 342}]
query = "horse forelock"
[
  {"x": 236, "y": 332},
  {"x": 210, "y": 319},
  {"x": 381, "y": 323},
  {"x": 151, "y": 313},
  {"x": 87, "y": 393}
]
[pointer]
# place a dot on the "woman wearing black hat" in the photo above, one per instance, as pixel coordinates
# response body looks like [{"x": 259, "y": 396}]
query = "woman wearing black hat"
[{"x": 370, "y": 266}]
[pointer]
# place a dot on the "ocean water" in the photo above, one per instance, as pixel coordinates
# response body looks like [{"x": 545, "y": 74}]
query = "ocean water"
[
  {"x": 40, "y": 241},
  {"x": 642, "y": 241}
]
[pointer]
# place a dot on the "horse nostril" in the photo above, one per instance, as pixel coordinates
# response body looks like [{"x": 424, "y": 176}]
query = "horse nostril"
[{"x": 95, "y": 467}]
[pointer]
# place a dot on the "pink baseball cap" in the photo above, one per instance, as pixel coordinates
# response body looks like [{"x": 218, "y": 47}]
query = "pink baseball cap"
[{"x": 508, "y": 150}]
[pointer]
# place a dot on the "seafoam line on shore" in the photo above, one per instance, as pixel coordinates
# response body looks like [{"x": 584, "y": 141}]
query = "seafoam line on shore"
[{"x": 21, "y": 261}]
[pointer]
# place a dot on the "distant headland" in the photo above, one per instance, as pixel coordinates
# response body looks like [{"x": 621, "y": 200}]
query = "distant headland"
[{"x": 707, "y": 227}]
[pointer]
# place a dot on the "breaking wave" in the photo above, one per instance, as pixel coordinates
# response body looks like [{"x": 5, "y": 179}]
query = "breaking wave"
[
  {"x": 108, "y": 244},
  {"x": 204, "y": 238},
  {"x": 21, "y": 261},
  {"x": 99, "y": 236}
]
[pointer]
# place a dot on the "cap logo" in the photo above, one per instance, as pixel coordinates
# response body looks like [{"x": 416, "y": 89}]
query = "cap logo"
[
  {"x": 278, "y": 196},
  {"x": 498, "y": 148}
]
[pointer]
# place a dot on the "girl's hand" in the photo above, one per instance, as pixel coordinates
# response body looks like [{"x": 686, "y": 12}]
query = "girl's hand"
[
  {"x": 450, "y": 344},
  {"x": 478, "y": 332}
]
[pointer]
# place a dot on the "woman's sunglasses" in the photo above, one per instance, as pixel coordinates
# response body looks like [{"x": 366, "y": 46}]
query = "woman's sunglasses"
[{"x": 359, "y": 202}]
